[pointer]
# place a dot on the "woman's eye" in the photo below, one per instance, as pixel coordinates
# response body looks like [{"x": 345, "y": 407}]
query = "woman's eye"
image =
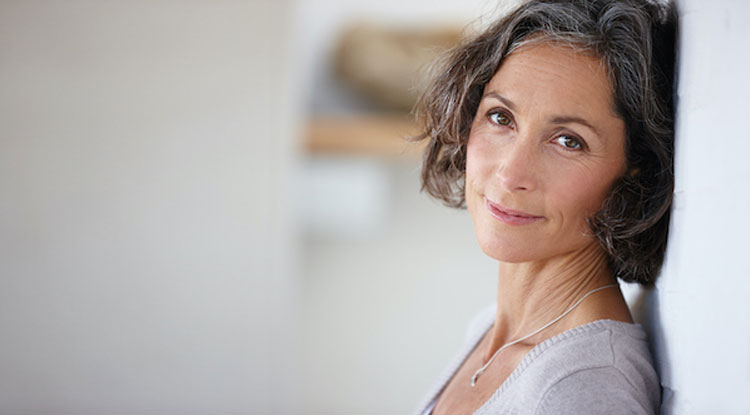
[
  {"x": 569, "y": 142},
  {"x": 500, "y": 118}
]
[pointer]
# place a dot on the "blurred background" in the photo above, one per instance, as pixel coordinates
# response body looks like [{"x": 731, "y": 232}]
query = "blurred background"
[{"x": 209, "y": 208}]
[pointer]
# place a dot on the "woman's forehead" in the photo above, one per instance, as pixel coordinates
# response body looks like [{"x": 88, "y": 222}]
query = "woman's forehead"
[{"x": 554, "y": 74}]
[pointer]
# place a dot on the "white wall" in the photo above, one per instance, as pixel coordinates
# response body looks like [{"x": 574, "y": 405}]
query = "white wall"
[
  {"x": 698, "y": 313},
  {"x": 145, "y": 250}
]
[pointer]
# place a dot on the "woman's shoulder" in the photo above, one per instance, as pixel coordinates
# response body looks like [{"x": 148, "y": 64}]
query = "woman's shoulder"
[
  {"x": 616, "y": 345},
  {"x": 598, "y": 390},
  {"x": 595, "y": 344},
  {"x": 606, "y": 369},
  {"x": 600, "y": 367}
]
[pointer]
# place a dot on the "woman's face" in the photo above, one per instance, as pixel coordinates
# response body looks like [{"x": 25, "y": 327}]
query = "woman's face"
[{"x": 544, "y": 150}]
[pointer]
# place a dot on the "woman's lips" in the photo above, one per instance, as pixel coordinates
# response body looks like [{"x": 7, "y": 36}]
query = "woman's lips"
[{"x": 511, "y": 217}]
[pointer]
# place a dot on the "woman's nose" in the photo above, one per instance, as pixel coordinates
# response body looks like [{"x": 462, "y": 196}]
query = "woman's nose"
[{"x": 517, "y": 169}]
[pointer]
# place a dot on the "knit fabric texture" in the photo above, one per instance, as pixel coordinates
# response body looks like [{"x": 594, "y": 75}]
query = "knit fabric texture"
[{"x": 603, "y": 367}]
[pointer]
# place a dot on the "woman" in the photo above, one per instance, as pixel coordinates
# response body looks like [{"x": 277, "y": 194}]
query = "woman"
[{"x": 554, "y": 129}]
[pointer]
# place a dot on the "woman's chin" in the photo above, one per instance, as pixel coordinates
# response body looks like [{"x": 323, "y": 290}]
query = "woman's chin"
[
  {"x": 508, "y": 252},
  {"x": 510, "y": 244}
]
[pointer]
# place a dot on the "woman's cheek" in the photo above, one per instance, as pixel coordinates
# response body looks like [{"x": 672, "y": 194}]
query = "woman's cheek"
[
  {"x": 474, "y": 186},
  {"x": 478, "y": 154}
]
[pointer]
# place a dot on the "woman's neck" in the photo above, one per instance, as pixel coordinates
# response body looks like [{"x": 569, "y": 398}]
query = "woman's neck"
[{"x": 532, "y": 294}]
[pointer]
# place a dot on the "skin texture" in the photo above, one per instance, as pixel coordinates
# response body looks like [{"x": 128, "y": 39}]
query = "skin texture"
[{"x": 545, "y": 141}]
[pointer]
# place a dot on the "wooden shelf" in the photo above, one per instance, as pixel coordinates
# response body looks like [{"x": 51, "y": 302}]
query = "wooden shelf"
[{"x": 374, "y": 135}]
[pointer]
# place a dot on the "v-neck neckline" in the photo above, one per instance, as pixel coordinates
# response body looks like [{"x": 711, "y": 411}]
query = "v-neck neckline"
[{"x": 527, "y": 359}]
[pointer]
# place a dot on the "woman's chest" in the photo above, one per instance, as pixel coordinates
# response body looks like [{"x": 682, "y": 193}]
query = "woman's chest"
[{"x": 459, "y": 397}]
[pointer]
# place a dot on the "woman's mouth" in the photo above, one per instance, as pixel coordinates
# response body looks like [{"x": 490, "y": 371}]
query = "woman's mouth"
[{"x": 510, "y": 216}]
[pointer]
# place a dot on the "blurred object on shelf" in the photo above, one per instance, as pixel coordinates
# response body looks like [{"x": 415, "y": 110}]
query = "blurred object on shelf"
[
  {"x": 389, "y": 64},
  {"x": 379, "y": 135}
]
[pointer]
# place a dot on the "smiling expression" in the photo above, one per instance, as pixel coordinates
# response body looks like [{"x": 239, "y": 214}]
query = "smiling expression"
[{"x": 544, "y": 149}]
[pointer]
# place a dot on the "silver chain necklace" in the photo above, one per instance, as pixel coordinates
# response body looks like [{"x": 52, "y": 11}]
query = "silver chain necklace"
[{"x": 555, "y": 320}]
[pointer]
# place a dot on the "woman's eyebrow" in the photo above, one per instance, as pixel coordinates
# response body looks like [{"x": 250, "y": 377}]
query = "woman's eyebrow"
[
  {"x": 573, "y": 119},
  {"x": 506, "y": 101}
]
